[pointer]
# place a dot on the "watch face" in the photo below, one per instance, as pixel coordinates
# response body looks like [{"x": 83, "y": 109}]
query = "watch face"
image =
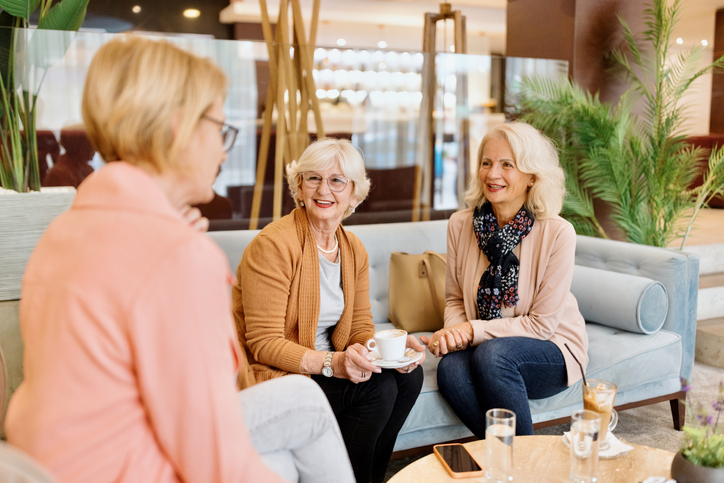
[{"x": 327, "y": 371}]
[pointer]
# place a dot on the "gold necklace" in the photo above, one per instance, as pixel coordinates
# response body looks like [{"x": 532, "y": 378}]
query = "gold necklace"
[{"x": 336, "y": 244}]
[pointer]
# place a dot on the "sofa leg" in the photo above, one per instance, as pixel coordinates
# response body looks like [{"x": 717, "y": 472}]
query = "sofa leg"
[{"x": 678, "y": 412}]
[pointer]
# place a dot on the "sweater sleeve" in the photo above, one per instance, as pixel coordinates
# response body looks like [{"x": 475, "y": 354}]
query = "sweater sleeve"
[
  {"x": 265, "y": 278},
  {"x": 182, "y": 337},
  {"x": 548, "y": 306},
  {"x": 454, "y": 301}
]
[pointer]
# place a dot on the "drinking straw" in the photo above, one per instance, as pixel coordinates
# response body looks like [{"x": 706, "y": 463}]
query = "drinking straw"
[{"x": 579, "y": 364}]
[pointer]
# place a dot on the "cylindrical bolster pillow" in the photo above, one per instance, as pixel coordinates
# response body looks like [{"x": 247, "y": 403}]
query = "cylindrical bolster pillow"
[{"x": 627, "y": 302}]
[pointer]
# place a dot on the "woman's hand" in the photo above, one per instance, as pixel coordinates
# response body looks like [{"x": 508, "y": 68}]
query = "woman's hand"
[
  {"x": 449, "y": 339},
  {"x": 354, "y": 364},
  {"x": 412, "y": 342},
  {"x": 193, "y": 217}
]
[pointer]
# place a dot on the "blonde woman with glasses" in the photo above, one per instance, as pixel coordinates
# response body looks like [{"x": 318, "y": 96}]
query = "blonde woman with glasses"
[
  {"x": 302, "y": 306},
  {"x": 130, "y": 350}
]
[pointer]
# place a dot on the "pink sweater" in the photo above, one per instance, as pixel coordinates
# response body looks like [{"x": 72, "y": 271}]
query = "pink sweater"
[
  {"x": 546, "y": 310},
  {"x": 130, "y": 347}
]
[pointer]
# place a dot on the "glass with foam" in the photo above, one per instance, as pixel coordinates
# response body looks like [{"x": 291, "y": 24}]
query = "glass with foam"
[{"x": 599, "y": 396}]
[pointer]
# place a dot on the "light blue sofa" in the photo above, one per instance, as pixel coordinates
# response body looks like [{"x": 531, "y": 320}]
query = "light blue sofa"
[{"x": 646, "y": 367}]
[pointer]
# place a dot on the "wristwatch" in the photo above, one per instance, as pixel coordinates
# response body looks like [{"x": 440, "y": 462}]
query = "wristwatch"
[{"x": 327, "y": 369}]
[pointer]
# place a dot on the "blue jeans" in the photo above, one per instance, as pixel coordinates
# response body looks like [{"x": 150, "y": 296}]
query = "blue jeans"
[{"x": 501, "y": 373}]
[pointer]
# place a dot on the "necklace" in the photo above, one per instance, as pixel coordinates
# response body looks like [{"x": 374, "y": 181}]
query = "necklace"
[{"x": 336, "y": 244}]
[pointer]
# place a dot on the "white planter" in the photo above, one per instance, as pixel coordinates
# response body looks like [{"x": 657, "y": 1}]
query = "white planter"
[{"x": 23, "y": 219}]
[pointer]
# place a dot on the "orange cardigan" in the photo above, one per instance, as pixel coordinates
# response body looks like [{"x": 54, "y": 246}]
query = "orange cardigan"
[
  {"x": 546, "y": 308},
  {"x": 276, "y": 297}
]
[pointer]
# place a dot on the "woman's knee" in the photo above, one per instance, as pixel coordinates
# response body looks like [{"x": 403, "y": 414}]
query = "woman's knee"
[{"x": 452, "y": 371}]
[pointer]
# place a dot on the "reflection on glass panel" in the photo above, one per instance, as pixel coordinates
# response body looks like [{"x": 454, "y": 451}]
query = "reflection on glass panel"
[{"x": 372, "y": 97}]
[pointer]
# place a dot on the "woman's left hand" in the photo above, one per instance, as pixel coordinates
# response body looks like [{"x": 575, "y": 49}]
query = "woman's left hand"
[
  {"x": 449, "y": 339},
  {"x": 412, "y": 342},
  {"x": 193, "y": 217}
]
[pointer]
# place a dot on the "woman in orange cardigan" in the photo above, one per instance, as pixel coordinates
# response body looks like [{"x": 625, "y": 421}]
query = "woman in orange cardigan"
[
  {"x": 302, "y": 306},
  {"x": 510, "y": 265}
]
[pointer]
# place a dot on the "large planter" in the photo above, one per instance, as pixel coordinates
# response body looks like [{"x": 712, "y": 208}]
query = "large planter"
[
  {"x": 684, "y": 471},
  {"x": 23, "y": 219}
]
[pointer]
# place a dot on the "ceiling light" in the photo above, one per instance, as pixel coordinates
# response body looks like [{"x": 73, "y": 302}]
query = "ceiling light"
[
  {"x": 382, "y": 44},
  {"x": 191, "y": 13},
  {"x": 704, "y": 43},
  {"x": 136, "y": 9},
  {"x": 341, "y": 42},
  {"x": 679, "y": 41}
]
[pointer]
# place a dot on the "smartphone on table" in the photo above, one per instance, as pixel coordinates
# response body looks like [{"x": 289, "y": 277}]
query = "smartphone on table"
[{"x": 457, "y": 461}]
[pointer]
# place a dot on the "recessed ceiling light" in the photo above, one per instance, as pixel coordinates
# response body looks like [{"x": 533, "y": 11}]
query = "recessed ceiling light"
[
  {"x": 136, "y": 9},
  {"x": 341, "y": 42},
  {"x": 679, "y": 41},
  {"x": 191, "y": 13},
  {"x": 382, "y": 44},
  {"x": 704, "y": 43}
]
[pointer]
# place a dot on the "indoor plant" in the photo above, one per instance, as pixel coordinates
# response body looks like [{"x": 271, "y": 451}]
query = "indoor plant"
[
  {"x": 24, "y": 60},
  {"x": 639, "y": 165},
  {"x": 701, "y": 458}
]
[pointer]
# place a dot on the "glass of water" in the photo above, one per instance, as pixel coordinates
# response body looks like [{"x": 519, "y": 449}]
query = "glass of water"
[
  {"x": 499, "y": 435},
  {"x": 585, "y": 428}
]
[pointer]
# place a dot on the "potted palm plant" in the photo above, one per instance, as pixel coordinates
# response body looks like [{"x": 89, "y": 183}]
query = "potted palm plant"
[
  {"x": 25, "y": 56},
  {"x": 641, "y": 165}
]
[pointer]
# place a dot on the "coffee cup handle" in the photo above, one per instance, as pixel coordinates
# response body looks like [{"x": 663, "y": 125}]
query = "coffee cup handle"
[
  {"x": 614, "y": 420},
  {"x": 372, "y": 347}
]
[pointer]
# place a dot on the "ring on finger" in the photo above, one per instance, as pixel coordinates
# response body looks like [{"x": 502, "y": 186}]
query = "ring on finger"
[
  {"x": 437, "y": 342},
  {"x": 364, "y": 374},
  {"x": 460, "y": 346},
  {"x": 409, "y": 369}
]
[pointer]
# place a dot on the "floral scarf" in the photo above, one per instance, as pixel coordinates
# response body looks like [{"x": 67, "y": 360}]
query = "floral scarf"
[{"x": 499, "y": 283}]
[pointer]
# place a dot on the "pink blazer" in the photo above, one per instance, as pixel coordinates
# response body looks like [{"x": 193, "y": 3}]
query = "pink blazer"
[
  {"x": 130, "y": 346},
  {"x": 547, "y": 309}
]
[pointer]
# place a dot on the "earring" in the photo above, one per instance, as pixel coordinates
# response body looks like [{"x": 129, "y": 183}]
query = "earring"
[
  {"x": 302, "y": 203},
  {"x": 353, "y": 209}
]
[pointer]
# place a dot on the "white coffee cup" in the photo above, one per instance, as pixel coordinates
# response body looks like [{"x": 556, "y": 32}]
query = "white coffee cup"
[{"x": 389, "y": 344}]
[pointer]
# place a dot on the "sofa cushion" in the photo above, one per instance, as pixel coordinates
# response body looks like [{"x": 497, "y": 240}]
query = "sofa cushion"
[
  {"x": 619, "y": 300},
  {"x": 629, "y": 360}
]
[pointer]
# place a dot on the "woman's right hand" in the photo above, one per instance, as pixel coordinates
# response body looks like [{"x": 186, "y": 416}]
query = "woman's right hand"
[{"x": 354, "y": 364}]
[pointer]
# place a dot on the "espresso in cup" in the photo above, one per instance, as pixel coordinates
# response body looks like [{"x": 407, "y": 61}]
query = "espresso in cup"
[{"x": 389, "y": 344}]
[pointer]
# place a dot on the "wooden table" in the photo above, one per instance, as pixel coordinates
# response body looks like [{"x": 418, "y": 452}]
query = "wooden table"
[{"x": 544, "y": 459}]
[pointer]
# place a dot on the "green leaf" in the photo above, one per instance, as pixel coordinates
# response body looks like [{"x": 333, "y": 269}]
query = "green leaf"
[
  {"x": 65, "y": 15},
  {"x": 20, "y": 8}
]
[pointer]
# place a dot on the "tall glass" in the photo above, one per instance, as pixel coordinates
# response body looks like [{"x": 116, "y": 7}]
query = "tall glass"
[
  {"x": 584, "y": 433},
  {"x": 599, "y": 396},
  {"x": 499, "y": 435}
]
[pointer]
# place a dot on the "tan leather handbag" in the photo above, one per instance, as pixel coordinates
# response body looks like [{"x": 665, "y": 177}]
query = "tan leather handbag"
[{"x": 417, "y": 291}]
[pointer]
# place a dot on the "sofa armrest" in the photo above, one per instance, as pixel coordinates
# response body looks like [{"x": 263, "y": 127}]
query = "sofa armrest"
[{"x": 678, "y": 271}]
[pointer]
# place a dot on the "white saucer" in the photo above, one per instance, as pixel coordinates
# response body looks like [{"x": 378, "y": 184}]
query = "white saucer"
[
  {"x": 616, "y": 449},
  {"x": 411, "y": 356}
]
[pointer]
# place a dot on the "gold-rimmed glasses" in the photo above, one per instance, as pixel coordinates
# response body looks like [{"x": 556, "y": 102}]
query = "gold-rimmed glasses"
[{"x": 335, "y": 182}]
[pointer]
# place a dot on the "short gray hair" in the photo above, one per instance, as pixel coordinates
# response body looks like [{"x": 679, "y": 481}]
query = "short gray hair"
[
  {"x": 534, "y": 154},
  {"x": 323, "y": 154}
]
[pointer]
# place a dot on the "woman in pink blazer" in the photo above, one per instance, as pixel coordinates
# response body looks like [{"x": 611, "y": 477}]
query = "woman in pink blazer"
[
  {"x": 130, "y": 347},
  {"x": 512, "y": 326}
]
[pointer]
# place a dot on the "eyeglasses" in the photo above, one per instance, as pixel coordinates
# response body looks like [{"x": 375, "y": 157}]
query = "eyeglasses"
[
  {"x": 228, "y": 132},
  {"x": 335, "y": 182}
]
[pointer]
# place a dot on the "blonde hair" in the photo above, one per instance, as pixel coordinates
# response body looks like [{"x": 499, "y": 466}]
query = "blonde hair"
[
  {"x": 323, "y": 154},
  {"x": 534, "y": 154},
  {"x": 143, "y": 98}
]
